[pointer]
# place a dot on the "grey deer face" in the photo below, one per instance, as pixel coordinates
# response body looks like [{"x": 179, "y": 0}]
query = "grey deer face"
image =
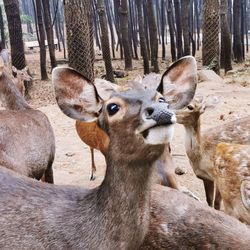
[{"x": 138, "y": 122}]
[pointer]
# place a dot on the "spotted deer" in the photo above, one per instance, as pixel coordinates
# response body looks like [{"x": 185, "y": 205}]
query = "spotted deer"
[
  {"x": 91, "y": 134},
  {"x": 232, "y": 177},
  {"x": 114, "y": 215},
  {"x": 200, "y": 146},
  {"x": 21, "y": 76},
  {"x": 27, "y": 143}
]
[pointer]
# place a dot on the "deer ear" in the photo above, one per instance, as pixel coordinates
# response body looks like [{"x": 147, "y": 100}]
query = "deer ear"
[
  {"x": 75, "y": 95},
  {"x": 105, "y": 88},
  {"x": 178, "y": 83},
  {"x": 14, "y": 69},
  {"x": 245, "y": 193}
]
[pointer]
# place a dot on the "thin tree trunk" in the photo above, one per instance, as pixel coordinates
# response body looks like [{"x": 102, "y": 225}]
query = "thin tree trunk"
[
  {"x": 226, "y": 44},
  {"x": 144, "y": 50},
  {"x": 237, "y": 45},
  {"x": 185, "y": 7},
  {"x": 153, "y": 36},
  {"x": 49, "y": 32},
  {"x": 105, "y": 40},
  {"x": 44, "y": 75},
  {"x": 171, "y": 30},
  {"x": 3, "y": 41},
  {"x": 123, "y": 11},
  {"x": 163, "y": 26},
  {"x": 178, "y": 28}
]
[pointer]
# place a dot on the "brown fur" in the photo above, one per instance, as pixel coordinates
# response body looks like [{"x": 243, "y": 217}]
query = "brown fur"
[
  {"x": 27, "y": 143},
  {"x": 179, "y": 222},
  {"x": 114, "y": 215},
  {"x": 200, "y": 147},
  {"x": 182, "y": 74},
  {"x": 232, "y": 177}
]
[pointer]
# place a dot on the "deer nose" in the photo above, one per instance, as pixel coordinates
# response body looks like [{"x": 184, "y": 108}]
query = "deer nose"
[{"x": 161, "y": 114}]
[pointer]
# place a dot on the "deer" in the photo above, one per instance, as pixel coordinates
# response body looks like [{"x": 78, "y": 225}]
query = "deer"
[
  {"x": 91, "y": 134},
  {"x": 200, "y": 146},
  {"x": 27, "y": 143},
  {"x": 232, "y": 178},
  {"x": 21, "y": 76},
  {"x": 179, "y": 222},
  {"x": 139, "y": 124}
]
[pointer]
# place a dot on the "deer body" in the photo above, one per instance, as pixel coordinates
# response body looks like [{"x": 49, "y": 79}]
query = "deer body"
[
  {"x": 114, "y": 215},
  {"x": 200, "y": 146},
  {"x": 27, "y": 143},
  {"x": 179, "y": 222},
  {"x": 232, "y": 176}
]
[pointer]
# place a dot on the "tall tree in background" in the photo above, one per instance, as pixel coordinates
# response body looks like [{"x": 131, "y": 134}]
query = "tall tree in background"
[
  {"x": 153, "y": 36},
  {"x": 15, "y": 33},
  {"x": 105, "y": 40},
  {"x": 80, "y": 36},
  {"x": 211, "y": 49},
  {"x": 2, "y": 29},
  {"x": 171, "y": 29},
  {"x": 185, "y": 10},
  {"x": 178, "y": 28},
  {"x": 226, "y": 44},
  {"x": 44, "y": 75},
  {"x": 123, "y": 12},
  {"x": 237, "y": 44},
  {"x": 143, "y": 44},
  {"x": 49, "y": 32}
]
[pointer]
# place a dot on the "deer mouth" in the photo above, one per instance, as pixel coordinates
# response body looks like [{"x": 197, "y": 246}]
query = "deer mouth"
[{"x": 157, "y": 133}]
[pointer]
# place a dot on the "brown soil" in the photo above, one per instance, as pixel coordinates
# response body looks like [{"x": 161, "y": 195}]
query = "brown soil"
[{"x": 73, "y": 164}]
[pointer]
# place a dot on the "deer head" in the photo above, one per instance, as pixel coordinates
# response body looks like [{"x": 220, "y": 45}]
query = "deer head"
[
  {"x": 135, "y": 120},
  {"x": 22, "y": 74}
]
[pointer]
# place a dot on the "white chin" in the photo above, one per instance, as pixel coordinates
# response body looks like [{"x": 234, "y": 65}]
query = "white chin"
[{"x": 160, "y": 135}]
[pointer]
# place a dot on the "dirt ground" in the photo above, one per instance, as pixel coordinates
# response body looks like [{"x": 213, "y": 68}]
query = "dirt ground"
[{"x": 72, "y": 164}]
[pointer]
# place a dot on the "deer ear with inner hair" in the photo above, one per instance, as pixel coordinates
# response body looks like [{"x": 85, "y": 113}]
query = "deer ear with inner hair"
[
  {"x": 178, "y": 83},
  {"x": 75, "y": 95}
]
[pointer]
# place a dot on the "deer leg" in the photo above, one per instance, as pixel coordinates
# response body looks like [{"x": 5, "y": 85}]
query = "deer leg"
[
  {"x": 48, "y": 175},
  {"x": 217, "y": 199},
  {"x": 92, "y": 177},
  {"x": 209, "y": 190}
]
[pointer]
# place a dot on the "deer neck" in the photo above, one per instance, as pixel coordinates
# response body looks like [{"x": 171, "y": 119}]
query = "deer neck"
[
  {"x": 124, "y": 198},
  {"x": 193, "y": 141},
  {"x": 12, "y": 98}
]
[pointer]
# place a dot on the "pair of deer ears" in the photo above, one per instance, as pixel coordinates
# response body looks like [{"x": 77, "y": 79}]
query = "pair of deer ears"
[{"x": 82, "y": 100}]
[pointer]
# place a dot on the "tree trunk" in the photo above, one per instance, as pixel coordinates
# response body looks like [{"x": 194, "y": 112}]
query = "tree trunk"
[
  {"x": 80, "y": 37},
  {"x": 44, "y": 75},
  {"x": 153, "y": 36},
  {"x": 15, "y": 32},
  {"x": 237, "y": 45},
  {"x": 226, "y": 45},
  {"x": 185, "y": 7},
  {"x": 163, "y": 27},
  {"x": 210, "y": 49},
  {"x": 105, "y": 40},
  {"x": 142, "y": 37},
  {"x": 16, "y": 37},
  {"x": 178, "y": 28},
  {"x": 3, "y": 41},
  {"x": 49, "y": 32},
  {"x": 171, "y": 30},
  {"x": 123, "y": 11}
]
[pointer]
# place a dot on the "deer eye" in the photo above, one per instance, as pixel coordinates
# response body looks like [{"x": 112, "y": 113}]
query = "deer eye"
[
  {"x": 190, "y": 107},
  {"x": 161, "y": 99},
  {"x": 112, "y": 109}
]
